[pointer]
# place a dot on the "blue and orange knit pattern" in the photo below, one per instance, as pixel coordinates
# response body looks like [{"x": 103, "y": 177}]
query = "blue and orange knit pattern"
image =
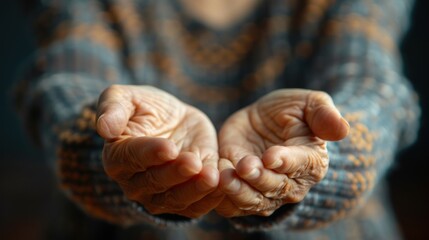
[{"x": 348, "y": 48}]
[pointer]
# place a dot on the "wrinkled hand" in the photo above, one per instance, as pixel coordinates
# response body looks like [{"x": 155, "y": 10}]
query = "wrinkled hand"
[
  {"x": 162, "y": 152},
  {"x": 274, "y": 151}
]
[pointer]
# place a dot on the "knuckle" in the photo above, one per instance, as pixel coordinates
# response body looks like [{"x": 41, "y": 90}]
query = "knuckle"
[
  {"x": 296, "y": 197},
  {"x": 320, "y": 169},
  {"x": 114, "y": 163},
  {"x": 226, "y": 151},
  {"x": 317, "y": 167},
  {"x": 117, "y": 174},
  {"x": 171, "y": 201},
  {"x": 281, "y": 191},
  {"x": 152, "y": 184},
  {"x": 318, "y": 174},
  {"x": 320, "y": 95},
  {"x": 255, "y": 204},
  {"x": 131, "y": 193},
  {"x": 268, "y": 205},
  {"x": 266, "y": 213},
  {"x": 293, "y": 198}
]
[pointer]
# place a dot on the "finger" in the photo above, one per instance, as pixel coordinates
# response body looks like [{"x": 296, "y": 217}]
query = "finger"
[
  {"x": 244, "y": 196},
  {"x": 236, "y": 142},
  {"x": 324, "y": 118},
  {"x": 180, "y": 197},
  {"x": 149, "y": 151},
  {"x": 136, "y": 155},
  {"x": 233, "y": 152},
  {"x": 266, "y": 181},
  {"x": 203, "y": 206},
  {"x": 228, "y": 209},
  {"x": 191, "y": 139},
  {"x": 161, "y": 178},
  {"x": 207, "y": 150},
  {"x": 225, "y": 164},
  {"x": 113, "y": 111},
  {"x": 203, "y": 143},
  {"x": 296, "y": 161}
]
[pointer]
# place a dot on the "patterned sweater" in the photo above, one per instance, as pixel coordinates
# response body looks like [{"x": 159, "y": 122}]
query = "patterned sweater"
[{"x": 348, "y": 48}]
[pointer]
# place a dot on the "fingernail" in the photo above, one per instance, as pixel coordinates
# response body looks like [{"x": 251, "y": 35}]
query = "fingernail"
[
  {"x": 276, "y": 164},
  {"x": 345, "y": 122},
  {"x": 348, "y": 125},
  {"x": 234, "y": 185},
  {"x": 100, "y": 117},
  {"x": 102, "y": 125},
  {"x": 253, "y": 174}
]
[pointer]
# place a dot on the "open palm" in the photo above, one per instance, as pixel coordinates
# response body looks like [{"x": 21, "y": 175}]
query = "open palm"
[
  {"x": 162, "y": 152},
  {"x": 273, "y": 151}
]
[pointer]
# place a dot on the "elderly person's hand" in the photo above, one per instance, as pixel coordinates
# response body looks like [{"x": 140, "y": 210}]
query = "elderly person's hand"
[
  {"x": 162, "y": 152},
  {"x": 273, "y": 151}
]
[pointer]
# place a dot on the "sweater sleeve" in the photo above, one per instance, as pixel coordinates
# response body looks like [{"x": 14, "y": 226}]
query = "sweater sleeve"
[
  {"x": 80, "y": 53},
  {"x": 356, "y": 61}
]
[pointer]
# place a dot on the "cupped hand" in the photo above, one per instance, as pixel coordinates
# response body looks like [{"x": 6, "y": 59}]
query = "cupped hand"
[
  {"x": 273, "y": 151},
  {"x": 162, "y": 152}
]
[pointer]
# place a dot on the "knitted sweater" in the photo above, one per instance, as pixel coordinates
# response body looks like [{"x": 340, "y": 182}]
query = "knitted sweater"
[{"x": 348, "y": 48}]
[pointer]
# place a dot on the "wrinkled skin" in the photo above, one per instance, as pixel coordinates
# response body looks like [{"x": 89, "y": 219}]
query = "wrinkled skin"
[
  {"x": 273, "y": 151},
  {"x": 165, "y": 154},
  {"x": 162, "y": 152}
]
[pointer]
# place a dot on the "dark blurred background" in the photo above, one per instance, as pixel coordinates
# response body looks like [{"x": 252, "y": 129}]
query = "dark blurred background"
[{"x": 31, "y": 207}]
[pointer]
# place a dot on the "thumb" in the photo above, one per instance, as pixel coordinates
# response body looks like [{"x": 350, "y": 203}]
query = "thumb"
[
  {"x": 113, "y": 112},
  {"x": 323, "y": 117}
]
